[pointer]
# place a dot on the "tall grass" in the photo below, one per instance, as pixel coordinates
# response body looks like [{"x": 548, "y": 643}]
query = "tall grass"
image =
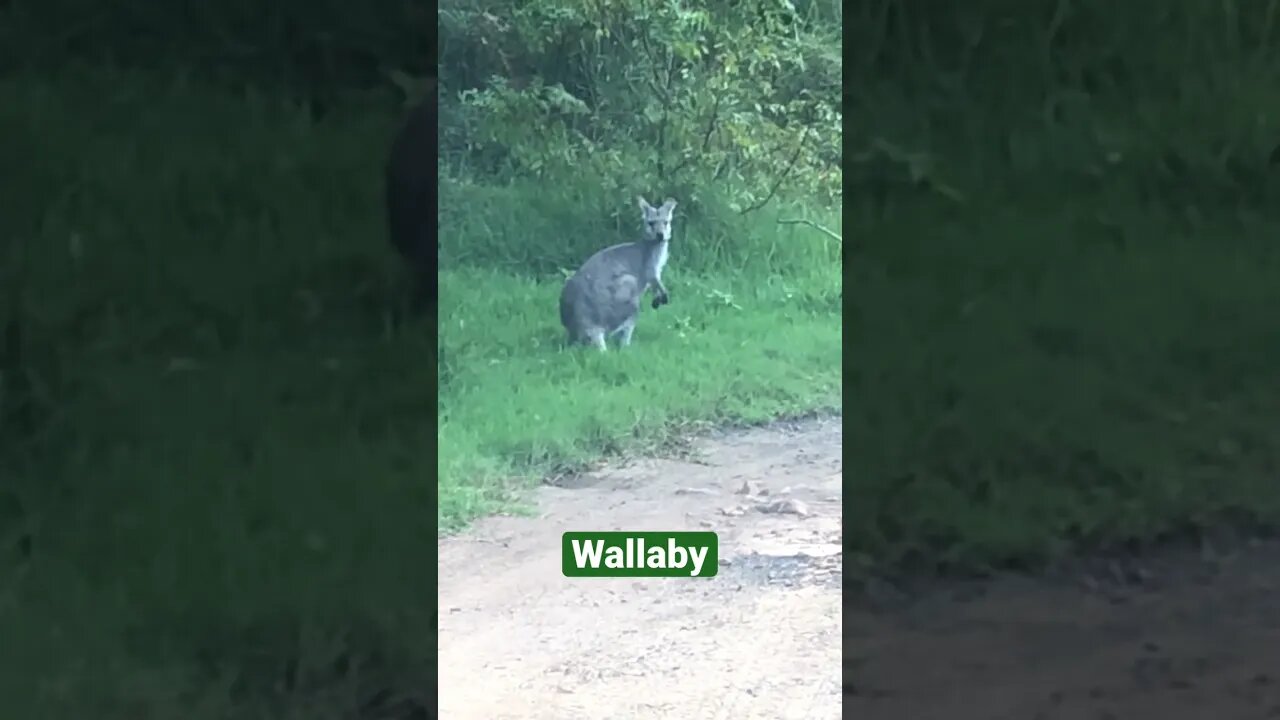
[
  {"x": 752, "y": 333},
  {"x": 1060, "y": 333},
  {"x": 216, "y": 451}
]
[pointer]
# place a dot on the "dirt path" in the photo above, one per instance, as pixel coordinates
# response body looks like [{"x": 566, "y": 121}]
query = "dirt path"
[
  {"x": 1182, "y": 636},
  {"x": 761, "y": 640}
]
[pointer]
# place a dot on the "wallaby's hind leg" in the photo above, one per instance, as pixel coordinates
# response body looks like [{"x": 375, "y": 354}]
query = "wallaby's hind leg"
[
  {"x": 596, "y": 339},
  {"x": 624, "y": 332}
]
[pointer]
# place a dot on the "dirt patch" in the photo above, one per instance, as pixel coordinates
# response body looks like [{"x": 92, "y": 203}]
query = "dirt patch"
[
  {"x": 760, "y": 640},
  {"x": 1180, "y": 636},
  {"x": 1185, "y": 635}
]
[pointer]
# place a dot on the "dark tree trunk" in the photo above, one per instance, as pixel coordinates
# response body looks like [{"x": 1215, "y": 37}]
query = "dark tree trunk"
[{"x": 411, "y": 198}]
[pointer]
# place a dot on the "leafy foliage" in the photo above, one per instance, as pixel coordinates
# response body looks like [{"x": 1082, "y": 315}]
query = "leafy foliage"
[
  {"x": 319, "y": 50},
  {"x": 1171, "y": 101},
  {"x": 743, "y": 95}
]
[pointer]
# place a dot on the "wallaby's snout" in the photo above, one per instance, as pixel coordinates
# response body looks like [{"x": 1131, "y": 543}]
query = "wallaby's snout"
[{"x": 657, "y": 220}]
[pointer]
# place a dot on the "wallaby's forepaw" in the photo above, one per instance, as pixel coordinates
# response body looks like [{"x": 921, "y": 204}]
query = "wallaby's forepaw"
[{"x": 660, "y": 300}]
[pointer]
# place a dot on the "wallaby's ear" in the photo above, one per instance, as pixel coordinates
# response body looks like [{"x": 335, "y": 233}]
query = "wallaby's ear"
[
  {"x": 669, "y": 205},
  {"x": 644, "y": 204}
]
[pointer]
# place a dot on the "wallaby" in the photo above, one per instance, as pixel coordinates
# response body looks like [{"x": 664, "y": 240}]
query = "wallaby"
[
  {"x": 411, "y": 199},
  {"x": 602, "y": 299}
]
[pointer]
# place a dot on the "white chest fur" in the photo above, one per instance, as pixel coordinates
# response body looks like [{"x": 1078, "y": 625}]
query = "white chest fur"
[{"x": 658, "y": 261}]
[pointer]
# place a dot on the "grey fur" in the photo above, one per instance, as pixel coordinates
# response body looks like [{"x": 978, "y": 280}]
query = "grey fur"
[{"x": 602, "y": 299}]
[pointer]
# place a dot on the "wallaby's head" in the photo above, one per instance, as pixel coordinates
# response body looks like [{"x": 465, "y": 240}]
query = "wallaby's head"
[{"x": 657, "y": 220}]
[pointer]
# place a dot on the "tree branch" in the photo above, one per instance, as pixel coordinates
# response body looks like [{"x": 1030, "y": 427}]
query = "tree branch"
[
  {"x": 791, "y": 164},
  {"x": 706, "y": 138},
  {"x": 815, "y": 226}
]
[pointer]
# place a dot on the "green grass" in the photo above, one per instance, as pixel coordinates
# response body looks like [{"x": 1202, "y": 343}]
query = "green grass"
[
  {"x": 1037, "y": 372},
  {"x": 515, "y": 403},
  {"x": 215, "y": 491},
  {"x": 753, "y": 331},
  {"x": 216, "y": 440},
  {"x": 216, "y": 449},
  {"x": 1077, "y": 349}
]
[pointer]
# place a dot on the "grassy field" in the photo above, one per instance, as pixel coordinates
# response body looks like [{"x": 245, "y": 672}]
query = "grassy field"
[
  {"x": 752, "y": 333},
  {"x": 215, "y": 498},
  {"x": 1034, "y": 376},
  {"x": 1062, "y": 297},
  {"x": 216, "y": 435}
]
